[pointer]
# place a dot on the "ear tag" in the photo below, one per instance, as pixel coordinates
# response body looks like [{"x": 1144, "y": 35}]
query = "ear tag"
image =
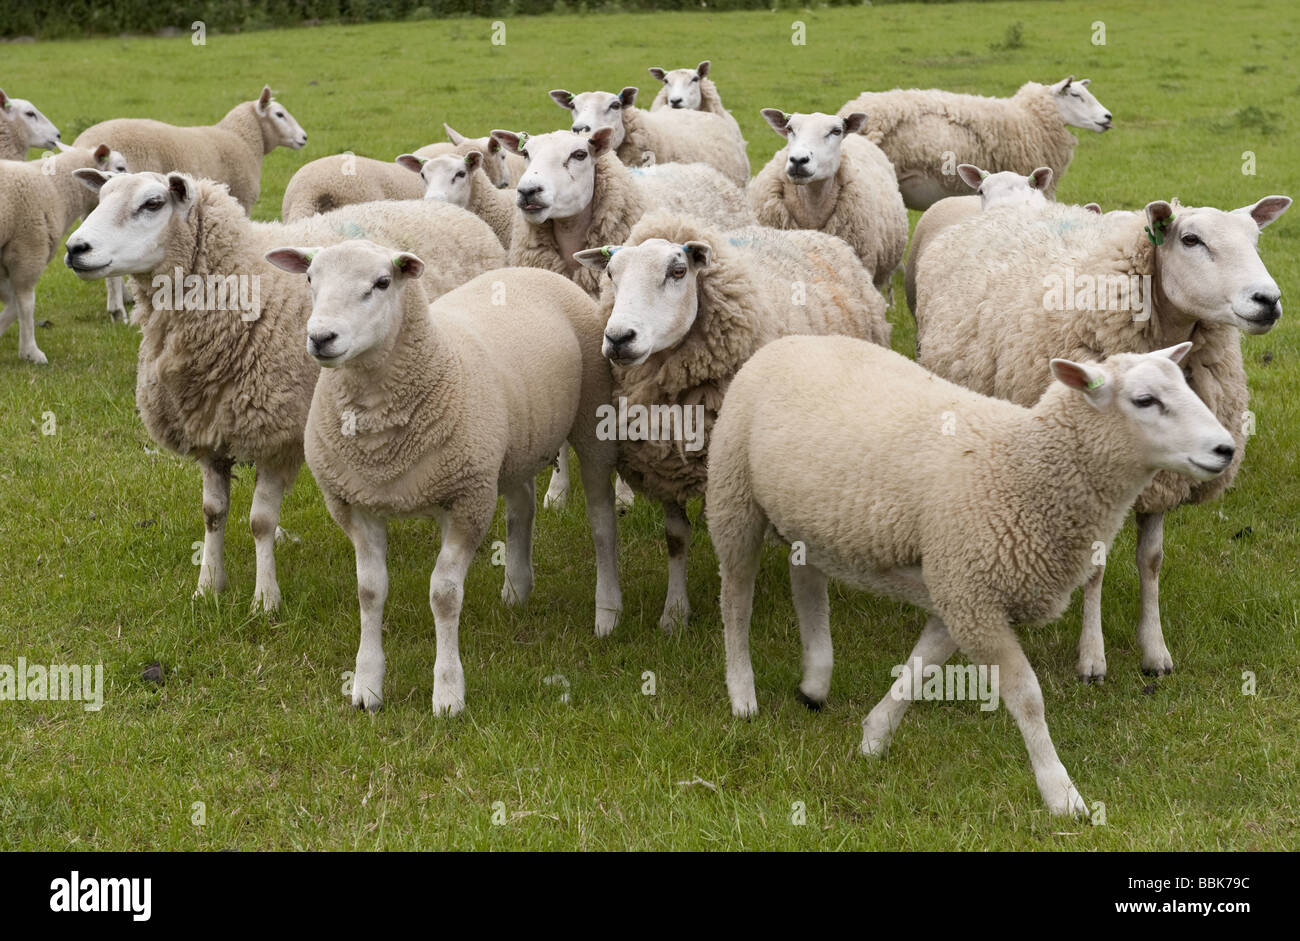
[
  {"x": 1158, "y": 236},
  {"x": 984, "y": 174},
  {"x": 1096, "y": 383},
  {"x": 523, "y": 139},
  {"x": 609, "y": 250}
]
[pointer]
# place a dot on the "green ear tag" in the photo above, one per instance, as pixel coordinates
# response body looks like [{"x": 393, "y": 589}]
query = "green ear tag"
[
  {"x": 984, "y": 174},
  {"x": 523, "y": 139},
  {"x": 1096, "y": 383},
  {"x": 309, "y": 256},
  {"x": 608, "y": 250},
  {"x": 1157, "y": 237}
]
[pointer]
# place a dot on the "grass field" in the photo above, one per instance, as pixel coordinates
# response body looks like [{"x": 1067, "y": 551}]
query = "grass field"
[{"x": 97, "y": 527}]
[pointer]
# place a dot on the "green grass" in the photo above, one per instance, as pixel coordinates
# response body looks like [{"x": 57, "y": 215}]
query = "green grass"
[{"x": 96, "y": 527}]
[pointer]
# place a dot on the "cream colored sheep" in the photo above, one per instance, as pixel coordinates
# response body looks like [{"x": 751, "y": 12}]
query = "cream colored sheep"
[
  {"x": 684, "y": 306},
  {"x": 223, "y": 372},
  {"x": 925, "y": 133},
  {"x": 23, "y": 127},
  {"x": 502, "y": 167},
  {"x": 434, "y": 410},
  {"x": 462, "y": 181},
  {"x": 688, "y": 89},
  {"x": 344, "y": 180},
  {"x": 829, "y": 178},
  {"x": 843, "y": 449},
  {"x": 1015, "y": 289}
]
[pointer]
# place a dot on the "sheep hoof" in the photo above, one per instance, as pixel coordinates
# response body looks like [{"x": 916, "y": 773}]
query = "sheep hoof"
[
  {"x": 1091, "y": 669},
  {"x": 367, "y": 699},
  {"x": 674, "y": 618},
  {"x": 606, "y": 621},
  {"x": 515, "y": 595},
  {"x": 556, "y": 500},
  {"x": 813, "y": 704},
  {"x": 744, "y": 708},
  {"x": 447, "y": 705},
  {"x": 34, "y": 356},
  {"x": 1093, "y": 677},
  {"x": 1072, "y": 806},
  {"x": 1158, "y": 664},
  {"x": 268, "y": 600}
]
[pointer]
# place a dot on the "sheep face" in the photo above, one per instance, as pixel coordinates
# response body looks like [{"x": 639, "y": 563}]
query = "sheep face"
[
  {"x": 560, "y": 180},
  {"x": 450, "y": 178},
  {"x": 1078, "y": 107},
  {"x": 593, "y": 110},
  {"x": 127, "y": 233},
  {"x": 1208, "y": 263},
  {"x": 279, "y": 129},
  {"x": 1006, "y": 188},
  {"x": 814, "y": 142},
  {"x": 32, "y": 126},
  {"x": 655, "y": 296},
  {"x": 683, "y": 86},
  {"x": 1153, "y": 408}
]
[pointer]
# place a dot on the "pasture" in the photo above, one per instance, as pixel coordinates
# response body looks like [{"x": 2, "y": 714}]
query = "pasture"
[{"x": 567, "y": 741}]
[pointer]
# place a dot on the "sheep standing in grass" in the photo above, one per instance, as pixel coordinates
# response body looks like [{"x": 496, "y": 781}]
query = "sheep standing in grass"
[
  {"x": 684, "y": 306},
  {"x": 39, "y": 201},
  {"x": 229, "y": 152},
  {"x": 669, "y": 135},
  {"x": 829, "y": 178},
  {"x": 344, "y": 180},
  {"x": 434, "y": 410},
  {"x": 223, "y": 373},
  {"x": 23, "y": 127},
  {"x": 1015, "y": 289},
  {"x": 462, "y": 181},
  {"x": 502, "y": 167},
  {"x": 840, "y": 446},
  {"x": 925, "y": 131}
]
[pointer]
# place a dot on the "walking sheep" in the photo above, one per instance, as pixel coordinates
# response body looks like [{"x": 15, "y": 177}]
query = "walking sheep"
[
  {"x": 830, "y": 179},
  {"x": 840, "y": 446},
  {"x": 920, "y": 131},
  {"x": 345, "y": 180},
  {"x": 23, "y": 127},
  {"x": 1015, "y": 289},
  {"x": 462, "y": 181},
  {"x": 434, "y": 410},
  {"x": 223, "y": 373},
  {"x": 684, "y": 306}
]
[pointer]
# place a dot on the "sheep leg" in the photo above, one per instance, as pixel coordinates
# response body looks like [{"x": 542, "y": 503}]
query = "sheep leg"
[
  {"x": 739, "y": 542},
  {"x": 116, "y": 304},
  {"x": 27, "y": 348},
  {"x": 1150, "y": 554},
  {"x": 521, "y": 508},
  {"x": 8, "y": 306},
  {"x": 216, "y": 504},
  {"x": 934, "y": 646},
  {"x": 369, "y": 535},
  {"x": 268, "y": 492},
  {"x": 677, "y": 528},
  {"x": 1091, "y": 665},
  {"x": 604, "y": 534},
  {"x": 460, "y": 537},
  {"x": 557, "y": 494},
  {"x": 811, "y": 604},
  {"x": 624, "y": 495}
]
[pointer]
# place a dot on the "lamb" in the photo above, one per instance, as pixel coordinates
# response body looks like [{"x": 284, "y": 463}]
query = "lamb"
[
  {"x": 229, "y": 151},
  {"x": 994, "y": 189},
  {"x": 1064, "y": 281},
  {"x": 842, "y": 448},
  {"x": 23, "y": 127},
  {"x": 684, "y": 306},
  {"x": 463, "y": 181},
  {"x": 829, "y": 178},
  {"x": 345, "y": 180},
  {"x": 688, "y": 89},
  {"x": 232, "y": 382},
  {"x": 431, "y": 410},
  {"x": 669, "y": 135},
  {"x": 921, "y": 131},
  {"x": 502, "y": 167},
  {"x": 39, "y": 201}
]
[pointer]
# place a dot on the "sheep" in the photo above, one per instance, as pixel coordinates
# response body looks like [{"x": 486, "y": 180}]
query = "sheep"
[
  {"x": 1064, "y": 281},
  {"x": 688, "y": 89},
  {"x": 23, "y": 127},
  {"x": 844, "y": 450},
  {"x": 39, "y": 201},
  {"x": 432, "y": 410},
  {"x": 829, "y": 178},
  {"x": 224, "y": 380},
  {"x": 344, "y": 180},
  {"x": 502, "y": 167},
  {"x": 463, "y": 181},
  {"x": 684, "y": 306},
  {"x": 923, "y": 131},
  {"x": 669, "y": 135},
  {"x": 229, "y": 151},
  {"x": 994, "y": 189}
]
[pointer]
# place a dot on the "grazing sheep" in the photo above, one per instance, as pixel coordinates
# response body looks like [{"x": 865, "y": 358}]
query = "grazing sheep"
[
  {"x": 39, "y": 201},
  {"x": 23, "y": 127},
  {"x": 344, "y": 180},
  {"x": 684, "y": 306},
  {"x": 223, "y": 374},
  {"x": 840, "y": 447},
  {"x": 463, "y": 181},
  {"x": 669, "y": 135},
  {"x": 994, "y": 189},
  {"x": 502, "y": 167},
  {"x": 830, "y": 179},
  {"x": 1015, "y": 289},
  {"x": 432, "y": 410},
  {"x": 924, "y": 131}
]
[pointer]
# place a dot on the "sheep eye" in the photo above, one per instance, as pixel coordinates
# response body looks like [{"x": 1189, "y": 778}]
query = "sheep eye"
[
  {"x": 615, "y": 106},
  {"x": 279, "y": 114},
  {"x": 383, "y": 283},
  {"x": 1146, "y": 401},
  {"x": 459, "y": 174},
  {"x": 695, "y": 79},
  {"x": 678, "y": 273},
  {"x": 31, "y": 114},
  {"x": 578, "y": 155},
  {"x": 153, "y": 204},
  {"x": 836, "y": 132},
  {"x": 1191, "y": 240}
]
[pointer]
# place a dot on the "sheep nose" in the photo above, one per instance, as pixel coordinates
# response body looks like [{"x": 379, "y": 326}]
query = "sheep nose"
[
  {"x": 620, "y": 339},
  {"x": 526, "y": 193},
  {"x": 1272, "y": 309},
  {"x": 58, "y": 135},
  {"x": 78, "y": 247},
  {"x": 675, "y": 102},
  {"x": 321, "y": 340},
  {"x": 581, "y": 128},
  {"x": 800, "y": 161},
  {"x": 1225, "y": 451}
]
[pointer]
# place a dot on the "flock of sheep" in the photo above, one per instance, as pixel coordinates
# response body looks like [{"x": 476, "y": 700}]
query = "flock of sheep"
[{"x": 478, "y": 303}]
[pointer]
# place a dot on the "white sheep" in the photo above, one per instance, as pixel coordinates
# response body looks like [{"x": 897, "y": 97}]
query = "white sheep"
[
  {"x": 502, "y": 167},
  {"x": 23, "y": 127},
  {"x": 39, "y": 201},
  {"x": 684, "y": 306},
  {"x": 688, "y": 89},
  {"x": 432, "y": 410},
  {"x": 344, "y": 180},
  {"x": 1016, "y": 288},
  {"x": 463, "y": 181},
  {"x": 668, "y": 136},
  {"x": 829, "y": 178},
  {"x": 982, "y": 512},
  {"x": 924, "y": 132},
  {"x": 223, "y": 372}
]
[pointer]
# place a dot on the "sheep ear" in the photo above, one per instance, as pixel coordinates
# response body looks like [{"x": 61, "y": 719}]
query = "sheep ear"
[
  {"x": 778, "y": 119},
  {"x": 453, "y": 135},
  {"x": 628, "y": 96},
  {"x": 102, "y": 153},
  {"x": 562, "y": 98},
  {"x": 292, "y": 260},
  {"x": 702, "y": 70},
  {"x": 406, "y": 265},
  {"x": 1065, "y": 85},
  {"x": 494, "y": 145},
  {"x": 1267, "y": 209},
  {"x": 510, "y": 141},
  {"x": 1174, "y": 353},
  {"x": 1093, "y": 207},
  {"x": 1085, "y": 82},
  {"x": 91, "y": 179},
  {"x": 697, "y": 253},
  {"x": 657, "y": 73},
  {"x": 600, "y": 141},
  {"x": 855, "y": 122},
  {"x": 264, "y": 99},
  {"x": 1040, "y": 178},
  {"x": 970, "y": 174},
  {"x": 596, "y": 259},
  {"x": 473, "y": 160},
  {"x": 1159, "y": 215},
  {"x": 1089, "y": 380},
  {"x": 182, "y": 190},
  {"x": 411, "y": 162}
]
